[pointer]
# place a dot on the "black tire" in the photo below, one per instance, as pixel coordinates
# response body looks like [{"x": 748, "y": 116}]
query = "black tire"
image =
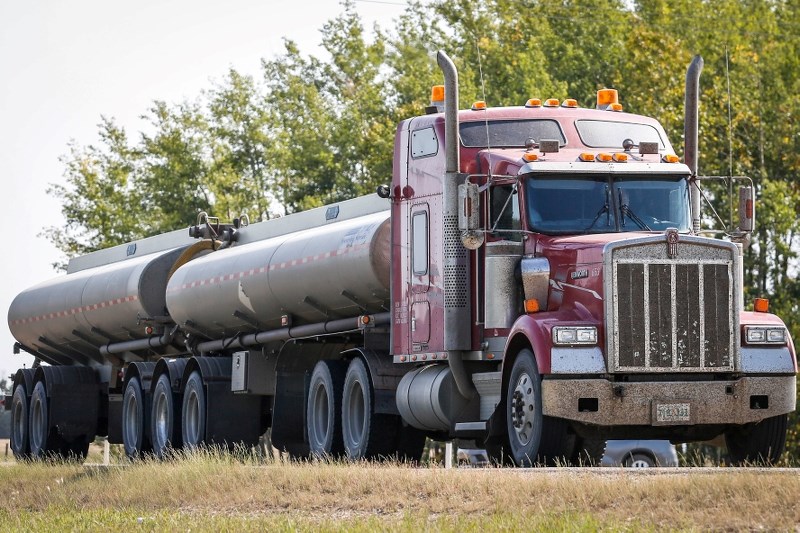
[
  {"x": 193, "y": 414},
  {"x": 589, "y": 451},
  {"x": 524, "y": 418},
  {"x": 759, "y": 443},
  {"x": 20, "y": 437},
  {"x": 324, "y": 409},
  {"x": 639, "y": 460},
  {"x": 135, "y": 438},
  {"x": 410, "y": 442},
  {"x": 75, "y": 451},
  {"x": 163, "y": 429},
  {"x": 366, "y": 435},
  {"x": 43, "y": 444}
]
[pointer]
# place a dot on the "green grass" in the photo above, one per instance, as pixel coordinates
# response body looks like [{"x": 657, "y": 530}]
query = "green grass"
[{"x": 216, "y": 491}]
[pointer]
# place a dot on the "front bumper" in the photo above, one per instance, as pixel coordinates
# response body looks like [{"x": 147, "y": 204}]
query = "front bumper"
[{"x": 605, "y": 403}]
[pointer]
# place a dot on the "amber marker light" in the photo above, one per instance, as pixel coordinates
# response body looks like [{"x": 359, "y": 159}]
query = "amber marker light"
[
  {"x": 534, "y": 102},
  {"x": 586, "y": 157},
  {"x": 670, "y": 158},
  {"x": 437, "y": 93},
  {"x": 532, "y": 305},
  {"x": 615, "y": 107},
  {"x": 607, "y": 97},
  {"x": 480, "y": 105},
  {"x": 620, "y": 158},
  {"x": 570, "y": 102},
  {"x": 530, "y": 157},
  {"x": 761, "y": 305},
  {"x": 551, "y": 102},
  {"x": 605, "y": 158}
]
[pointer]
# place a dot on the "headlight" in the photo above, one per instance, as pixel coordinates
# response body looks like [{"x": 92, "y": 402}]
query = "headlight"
[
  {"x": 765, "y": 335},
  {"x": 569, "y": 335}
]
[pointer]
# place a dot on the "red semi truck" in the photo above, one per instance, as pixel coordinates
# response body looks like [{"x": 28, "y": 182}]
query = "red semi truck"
[{"x": 533, "y": 281}]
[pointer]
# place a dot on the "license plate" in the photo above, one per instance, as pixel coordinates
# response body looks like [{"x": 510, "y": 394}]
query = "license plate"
[{"x": 671, "y": 413}]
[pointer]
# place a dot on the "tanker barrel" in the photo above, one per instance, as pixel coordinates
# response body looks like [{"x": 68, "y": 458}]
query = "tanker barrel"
[
  {"x": 84, "y": 316},
  {"x": 314, "y": 275}
]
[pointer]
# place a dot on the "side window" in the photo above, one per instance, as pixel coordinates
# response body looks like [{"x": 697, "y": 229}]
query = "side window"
[
  {"x": 419, "y": 243},
  {"x": 424, "y": 143},
  {"x": 504, "y": 217}
]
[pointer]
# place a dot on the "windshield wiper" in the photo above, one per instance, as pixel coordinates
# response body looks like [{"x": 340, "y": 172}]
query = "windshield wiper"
[
  {"x": 625, "y": 211},
  {"x": 605, "y": 209}
]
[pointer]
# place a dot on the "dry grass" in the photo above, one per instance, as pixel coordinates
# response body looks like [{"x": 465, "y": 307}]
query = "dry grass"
[{"x": 218, "y": 491}]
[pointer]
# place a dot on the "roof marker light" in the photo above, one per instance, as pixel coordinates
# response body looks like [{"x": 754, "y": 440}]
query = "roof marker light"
[
  {"x": 437, "y": 94},
  {"x": 760, "y": 305},
  {"x": 615, "y": 107},
  {"x": 534, "y": 102},
  {"x": 605, "y": 158},
  {"x": 606, "y": 97},
  {"x": 530, "y": 157},
  {"x": 480, "y": 105},
  {"x": 586, "y": 157},
  {"x": 551, "y": 102},
  {"x": 670, "y": 158},
  {"x": 570, "y": 102},
  {"x": 620, "y": 158}
]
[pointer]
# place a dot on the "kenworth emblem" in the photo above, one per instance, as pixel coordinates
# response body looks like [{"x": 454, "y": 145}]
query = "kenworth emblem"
[{"x": 672, "y": 242}]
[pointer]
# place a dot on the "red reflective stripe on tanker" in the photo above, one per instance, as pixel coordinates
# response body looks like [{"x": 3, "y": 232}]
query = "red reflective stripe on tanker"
[{"x": 75, "y": 310}]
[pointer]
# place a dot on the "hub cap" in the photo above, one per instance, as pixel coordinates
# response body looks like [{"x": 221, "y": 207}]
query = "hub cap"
[{"x": 523, "y": 409}]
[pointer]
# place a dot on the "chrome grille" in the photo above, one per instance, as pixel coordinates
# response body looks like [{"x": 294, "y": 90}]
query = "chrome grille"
[{"x": 672, "y": 314}]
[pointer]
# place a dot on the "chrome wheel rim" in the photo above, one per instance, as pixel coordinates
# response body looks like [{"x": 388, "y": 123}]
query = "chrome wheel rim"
[{"x": 523, "y": 409}]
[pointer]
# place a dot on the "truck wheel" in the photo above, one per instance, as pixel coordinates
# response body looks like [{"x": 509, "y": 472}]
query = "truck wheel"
[
  {"x": 638, "y": 460},
  {"x": 410, "y": 442},
  {"x": 20, "y": 443},
  {"x": 75, "y": 451},
  {"x": 324, "y": 413},
  {"x": 759, "y": 443},
  {"x": 41, "y": 443},
  {"x": 524, "y": 410},
  {"x": 133, "y": 420},
  {"x": 589, "y": 451},
  {"x": 366, "y": 435},
  {"x": 162, "y": 419},
  {"x": 193, "y": 414}
]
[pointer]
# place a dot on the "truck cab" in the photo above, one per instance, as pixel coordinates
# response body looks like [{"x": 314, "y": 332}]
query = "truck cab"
[{"x": 559, "y": 270}]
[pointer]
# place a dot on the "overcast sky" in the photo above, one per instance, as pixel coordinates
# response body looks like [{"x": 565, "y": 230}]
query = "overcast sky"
[{"x": 64, "y": 64}]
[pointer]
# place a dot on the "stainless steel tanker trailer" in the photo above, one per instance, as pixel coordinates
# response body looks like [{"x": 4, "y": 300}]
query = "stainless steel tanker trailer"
[
  {"x": 534, "y": 297},
  {"x": 133, "y": 335}
]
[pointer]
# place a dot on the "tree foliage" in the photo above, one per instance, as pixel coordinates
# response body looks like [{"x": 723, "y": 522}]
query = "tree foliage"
[{"x": 309, "y": 130}]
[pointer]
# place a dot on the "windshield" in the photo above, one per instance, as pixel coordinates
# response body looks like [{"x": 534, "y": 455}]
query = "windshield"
[
  {"x": 608, "y": 134},
  {"x": 509, "y": 133},
  {"x": 559, "y": 204}
]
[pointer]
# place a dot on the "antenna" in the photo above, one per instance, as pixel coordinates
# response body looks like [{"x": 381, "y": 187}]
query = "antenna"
[{"x": 730, "y": 139}]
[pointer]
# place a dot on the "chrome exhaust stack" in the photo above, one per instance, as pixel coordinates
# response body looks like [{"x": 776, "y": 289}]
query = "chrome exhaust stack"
[{"x": 690, "y": 148}]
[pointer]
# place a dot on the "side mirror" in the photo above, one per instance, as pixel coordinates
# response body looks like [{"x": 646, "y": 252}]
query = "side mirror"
[
  {"x": 747, "y": 209},
  {"x": 469, "y": 216}
]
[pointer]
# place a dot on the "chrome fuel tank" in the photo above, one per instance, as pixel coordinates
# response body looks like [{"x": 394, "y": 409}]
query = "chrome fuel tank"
[
  {"x": 328, "y": 272},
  {"x": 65, "y": 314}
]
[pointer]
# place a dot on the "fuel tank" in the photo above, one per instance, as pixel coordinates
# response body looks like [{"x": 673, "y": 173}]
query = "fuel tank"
[
  {"x": 328, "y": 272},
  {"x": 66, "y": 313}
]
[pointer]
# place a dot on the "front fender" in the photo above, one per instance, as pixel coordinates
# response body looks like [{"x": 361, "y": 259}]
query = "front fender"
[
  {"x": 536, "y": 331},
  {"x": 528, "y": 331}
]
